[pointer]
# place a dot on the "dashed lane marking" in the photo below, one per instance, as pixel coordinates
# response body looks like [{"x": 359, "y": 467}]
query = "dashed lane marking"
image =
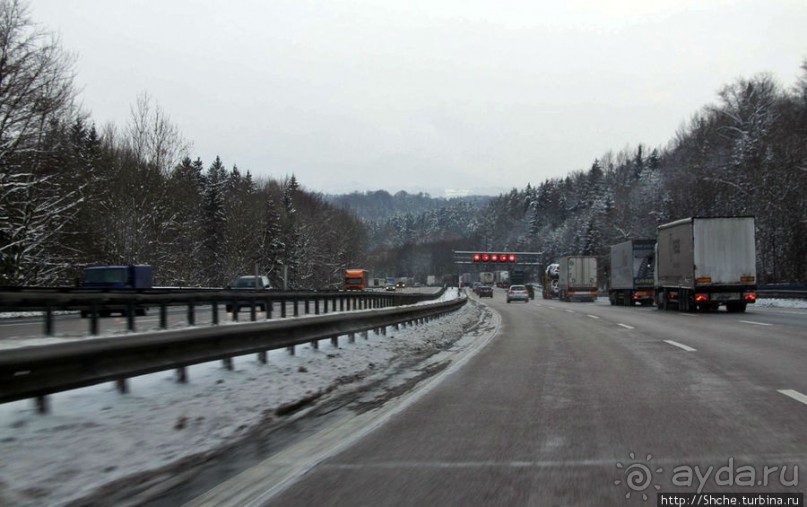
[
  {"x": 593, "y": 317},
  {"x": 680, "y": 345},
  {"x": 625, "y": 326},
  {"x": 794, "y": 394},
  {"x": 755, "y": 323}
]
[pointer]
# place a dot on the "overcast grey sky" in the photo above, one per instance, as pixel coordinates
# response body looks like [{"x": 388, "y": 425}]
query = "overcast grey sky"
[{"x": 421, "y": 95}]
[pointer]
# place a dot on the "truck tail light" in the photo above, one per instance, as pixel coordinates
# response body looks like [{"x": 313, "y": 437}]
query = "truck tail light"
[
  {"x": 701, "y": 298},
  {"x": 749, "y": 297}
]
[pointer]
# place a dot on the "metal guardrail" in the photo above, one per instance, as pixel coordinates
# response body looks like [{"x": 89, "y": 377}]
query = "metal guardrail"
[
  {"x": 36, "y": 372},
  {"x": 784, "y": 294},
  {"x": 96, "y": 303}
]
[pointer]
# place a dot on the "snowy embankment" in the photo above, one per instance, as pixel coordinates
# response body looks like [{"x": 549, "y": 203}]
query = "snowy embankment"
[
  {"x": 782, "y": 303},
  {"x": 96, "y": 435}
]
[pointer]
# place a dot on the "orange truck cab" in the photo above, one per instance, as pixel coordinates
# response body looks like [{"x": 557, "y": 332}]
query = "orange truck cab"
[{"x": 355, "y": 279}]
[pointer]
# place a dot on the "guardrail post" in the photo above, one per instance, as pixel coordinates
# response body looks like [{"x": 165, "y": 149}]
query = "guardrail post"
[
  {"x": 290, "y": 349},
  {"x": 163, "y": 315},
  {"x": 262, "y": 357},
  {"x": 333, "y": 301},
  {"x": 42, "y": 405},
  {"x": 316, "y": 306},
  {"x": 351, "y": 337},
  {"x": 270, "y": 305},
  {"x": 364, "y": 334},
  {"x": 122, "y": 386},
  {"x": 182, "y": 375},
  {"x": 94, "y": 318},
  {"x": 384, "y": 330},
  {"x": 228, "y": 363},
  {"x": 282, "y": 308},
  {"x": 130, "y": 315},
  {"x": 307, "y": 305},
  {"x": 335, "y": 341},
  {"x": 296, "y": 307},
  {"x": 341, "y": 304},
  {"x": 215, "y": 312},
  {"x": 191, "y": 314},
  {"x": 253, "y": 315},
  {"x": 325, "y": 304},
  {"x": 315, "y": 344},
  {"x": 48, "y": 320}
]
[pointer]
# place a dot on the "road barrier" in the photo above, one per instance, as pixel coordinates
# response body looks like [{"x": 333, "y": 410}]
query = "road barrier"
[
  {"x": 95, "y": 303},
  {"x": 36, "y": 372}
]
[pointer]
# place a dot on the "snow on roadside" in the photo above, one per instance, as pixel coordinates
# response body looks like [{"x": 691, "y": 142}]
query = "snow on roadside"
[
  {"x": 95, "y": 435},
  {"x": 782, "y": 303}
]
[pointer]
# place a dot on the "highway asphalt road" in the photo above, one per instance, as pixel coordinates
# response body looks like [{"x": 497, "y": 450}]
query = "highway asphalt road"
[{"x": 588, "y": 404}]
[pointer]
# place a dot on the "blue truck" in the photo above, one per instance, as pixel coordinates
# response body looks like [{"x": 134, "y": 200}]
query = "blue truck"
[{"x": 131, "y": 277}]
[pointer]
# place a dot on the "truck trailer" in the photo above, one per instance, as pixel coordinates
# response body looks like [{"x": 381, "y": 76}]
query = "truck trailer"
[
  {"x": 631, "y": 272},
  {"x": 577, "y": 278},
  {"x": 703, "y": 263},
  {"x": 130, "y": 277}
]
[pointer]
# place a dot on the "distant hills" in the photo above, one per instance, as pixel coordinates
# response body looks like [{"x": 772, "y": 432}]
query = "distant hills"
[{"x": 372, "y": 206}]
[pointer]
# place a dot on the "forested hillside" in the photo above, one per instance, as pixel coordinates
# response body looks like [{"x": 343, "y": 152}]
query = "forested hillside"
[
  {"x": 72, "y": 194},
  {"x": 745, "y": 155},
  {"x": 380, "y": 205}
]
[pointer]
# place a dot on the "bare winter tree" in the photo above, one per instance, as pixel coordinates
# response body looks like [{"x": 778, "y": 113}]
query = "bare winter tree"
[
  {"x": 153, "y": 137},
  {"x": 36, "y": 96}
]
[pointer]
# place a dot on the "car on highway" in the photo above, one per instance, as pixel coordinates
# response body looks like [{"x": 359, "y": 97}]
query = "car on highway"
[
  {"x": 518, "y": 293},
  {"x": 248, "y": 283},
  {"x": 484, "y": 291},
  {"x": 390, "y": 288}
]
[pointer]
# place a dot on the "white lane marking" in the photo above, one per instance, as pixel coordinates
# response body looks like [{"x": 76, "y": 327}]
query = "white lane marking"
[
  {"x": 680, "y": 345},
  {"x": 593, "y": 317},
  {"x": 755, "y": 323},
  {"x": 569, "y": 311},
  {"x": 794, "y": 394},
  {"x": 625, "y": 326}
]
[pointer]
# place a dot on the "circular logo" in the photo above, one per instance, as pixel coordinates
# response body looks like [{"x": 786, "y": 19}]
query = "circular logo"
[{"x": 637, "y": 477}]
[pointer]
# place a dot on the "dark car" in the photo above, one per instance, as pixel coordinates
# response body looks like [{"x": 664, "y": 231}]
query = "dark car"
[
  {"x": 248, "y": 283},
  {"x": 484, "y": 291}
]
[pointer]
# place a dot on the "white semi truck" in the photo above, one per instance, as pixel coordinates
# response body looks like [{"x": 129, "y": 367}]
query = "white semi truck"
[
  {"x": 577, "y": 278},
  {"x": 703, "y": 263},
  {"x": 631, "y": 272}
]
